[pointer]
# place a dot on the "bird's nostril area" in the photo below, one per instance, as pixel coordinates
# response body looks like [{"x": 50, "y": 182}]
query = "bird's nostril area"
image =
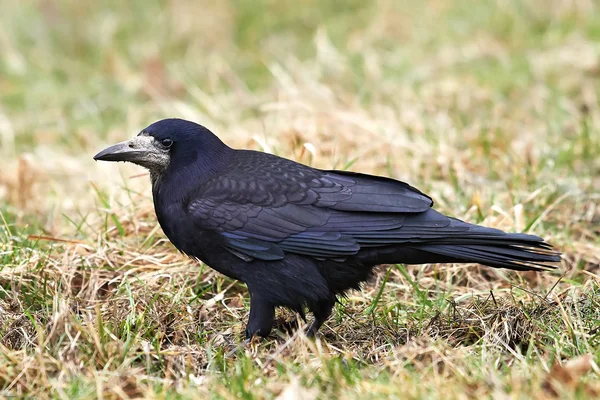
[{"x": 131, "y": 145}]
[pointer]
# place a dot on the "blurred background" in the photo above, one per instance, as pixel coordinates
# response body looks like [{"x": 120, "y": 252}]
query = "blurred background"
[
  {"x": 489, "y": 106},
  {"x": 493, "y": 94}
]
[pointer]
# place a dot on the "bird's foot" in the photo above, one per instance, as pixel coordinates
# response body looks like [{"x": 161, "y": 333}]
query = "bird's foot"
[
  {"x": 243, "y": 346},
  {"x": 289, "y": 326},
  {"x": 312, "y": 329}
]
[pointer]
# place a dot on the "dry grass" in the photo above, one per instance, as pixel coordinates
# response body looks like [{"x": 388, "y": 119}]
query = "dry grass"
[{"x": 490, "y": 107}]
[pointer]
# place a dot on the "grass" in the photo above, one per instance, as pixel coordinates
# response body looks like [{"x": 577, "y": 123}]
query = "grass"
[{"x": 491, "y": 107}]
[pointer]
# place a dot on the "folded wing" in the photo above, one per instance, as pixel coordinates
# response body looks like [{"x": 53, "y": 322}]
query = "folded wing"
[{"x": 326, "y": 214}]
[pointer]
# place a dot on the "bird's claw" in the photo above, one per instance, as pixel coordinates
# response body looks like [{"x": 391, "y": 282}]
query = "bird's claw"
[{"x": 241, "y": 346}]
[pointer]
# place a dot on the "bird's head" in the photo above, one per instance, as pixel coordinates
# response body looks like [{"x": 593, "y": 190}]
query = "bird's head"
[{"x": 160, "y": 144}]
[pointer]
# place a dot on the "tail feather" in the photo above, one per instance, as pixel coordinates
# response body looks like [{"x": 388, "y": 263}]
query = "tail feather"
[
  {"x": 519, "y": 252},
  {"x": 431, "y": 237}
]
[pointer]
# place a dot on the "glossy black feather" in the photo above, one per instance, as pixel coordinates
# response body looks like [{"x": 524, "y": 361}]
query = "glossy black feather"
[{"x": 299, "y": 236}]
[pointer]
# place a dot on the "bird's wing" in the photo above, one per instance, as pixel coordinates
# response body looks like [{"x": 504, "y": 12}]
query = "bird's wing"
[
  {"x": 324, "y": 214},
  {"x": 351, "y": 191}
]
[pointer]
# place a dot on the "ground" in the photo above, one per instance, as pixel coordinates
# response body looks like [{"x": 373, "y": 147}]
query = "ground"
[{"x": 491, "y": 107}]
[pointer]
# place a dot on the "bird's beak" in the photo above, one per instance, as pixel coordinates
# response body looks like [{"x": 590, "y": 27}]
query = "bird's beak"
[
  {"x": 123, "y": 151},
  {"x": 135, "y": 150},
  {"x": 141, "y": 150}
]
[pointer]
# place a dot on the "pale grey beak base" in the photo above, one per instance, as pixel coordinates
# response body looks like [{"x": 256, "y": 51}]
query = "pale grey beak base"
[
  {"x": 141, "y": 150},
  {"x": 120, "y": 152}
]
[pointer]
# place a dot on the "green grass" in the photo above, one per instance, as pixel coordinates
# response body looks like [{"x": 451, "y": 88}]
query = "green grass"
[{"x": 491, "y": 107}]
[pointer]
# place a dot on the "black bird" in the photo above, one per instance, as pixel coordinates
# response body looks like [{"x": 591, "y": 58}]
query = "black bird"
[{"x": 299, "y": 237}]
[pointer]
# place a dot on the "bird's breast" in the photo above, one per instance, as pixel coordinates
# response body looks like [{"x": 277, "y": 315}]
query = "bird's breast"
[{"x": 201, "y": 244}]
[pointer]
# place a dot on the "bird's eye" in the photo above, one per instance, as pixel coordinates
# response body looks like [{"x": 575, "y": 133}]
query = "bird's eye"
[{"x": 167, "y": 142}]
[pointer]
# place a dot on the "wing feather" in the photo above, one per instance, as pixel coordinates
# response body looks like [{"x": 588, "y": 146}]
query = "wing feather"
[{"x": 291, "y": 208}]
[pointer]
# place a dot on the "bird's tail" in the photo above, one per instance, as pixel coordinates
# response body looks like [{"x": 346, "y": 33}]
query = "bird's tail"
[
  {"x": 514, "y": 252},
  {"x": 431, "y": 237},
  {"x": 517, "y": 251}
]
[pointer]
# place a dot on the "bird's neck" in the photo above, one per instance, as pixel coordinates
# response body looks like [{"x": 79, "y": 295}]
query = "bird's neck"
[
  {"x": 172, "y": 188},
  {"x": 186, "y": 174}
]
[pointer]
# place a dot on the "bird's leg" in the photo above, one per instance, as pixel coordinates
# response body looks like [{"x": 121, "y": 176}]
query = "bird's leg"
[
  {"x": 261, "y": 317},
  {"x": 321, "y": 312}
]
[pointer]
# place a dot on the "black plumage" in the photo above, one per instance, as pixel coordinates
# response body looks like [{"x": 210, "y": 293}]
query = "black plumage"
[{"x": 298, "y": 236}]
